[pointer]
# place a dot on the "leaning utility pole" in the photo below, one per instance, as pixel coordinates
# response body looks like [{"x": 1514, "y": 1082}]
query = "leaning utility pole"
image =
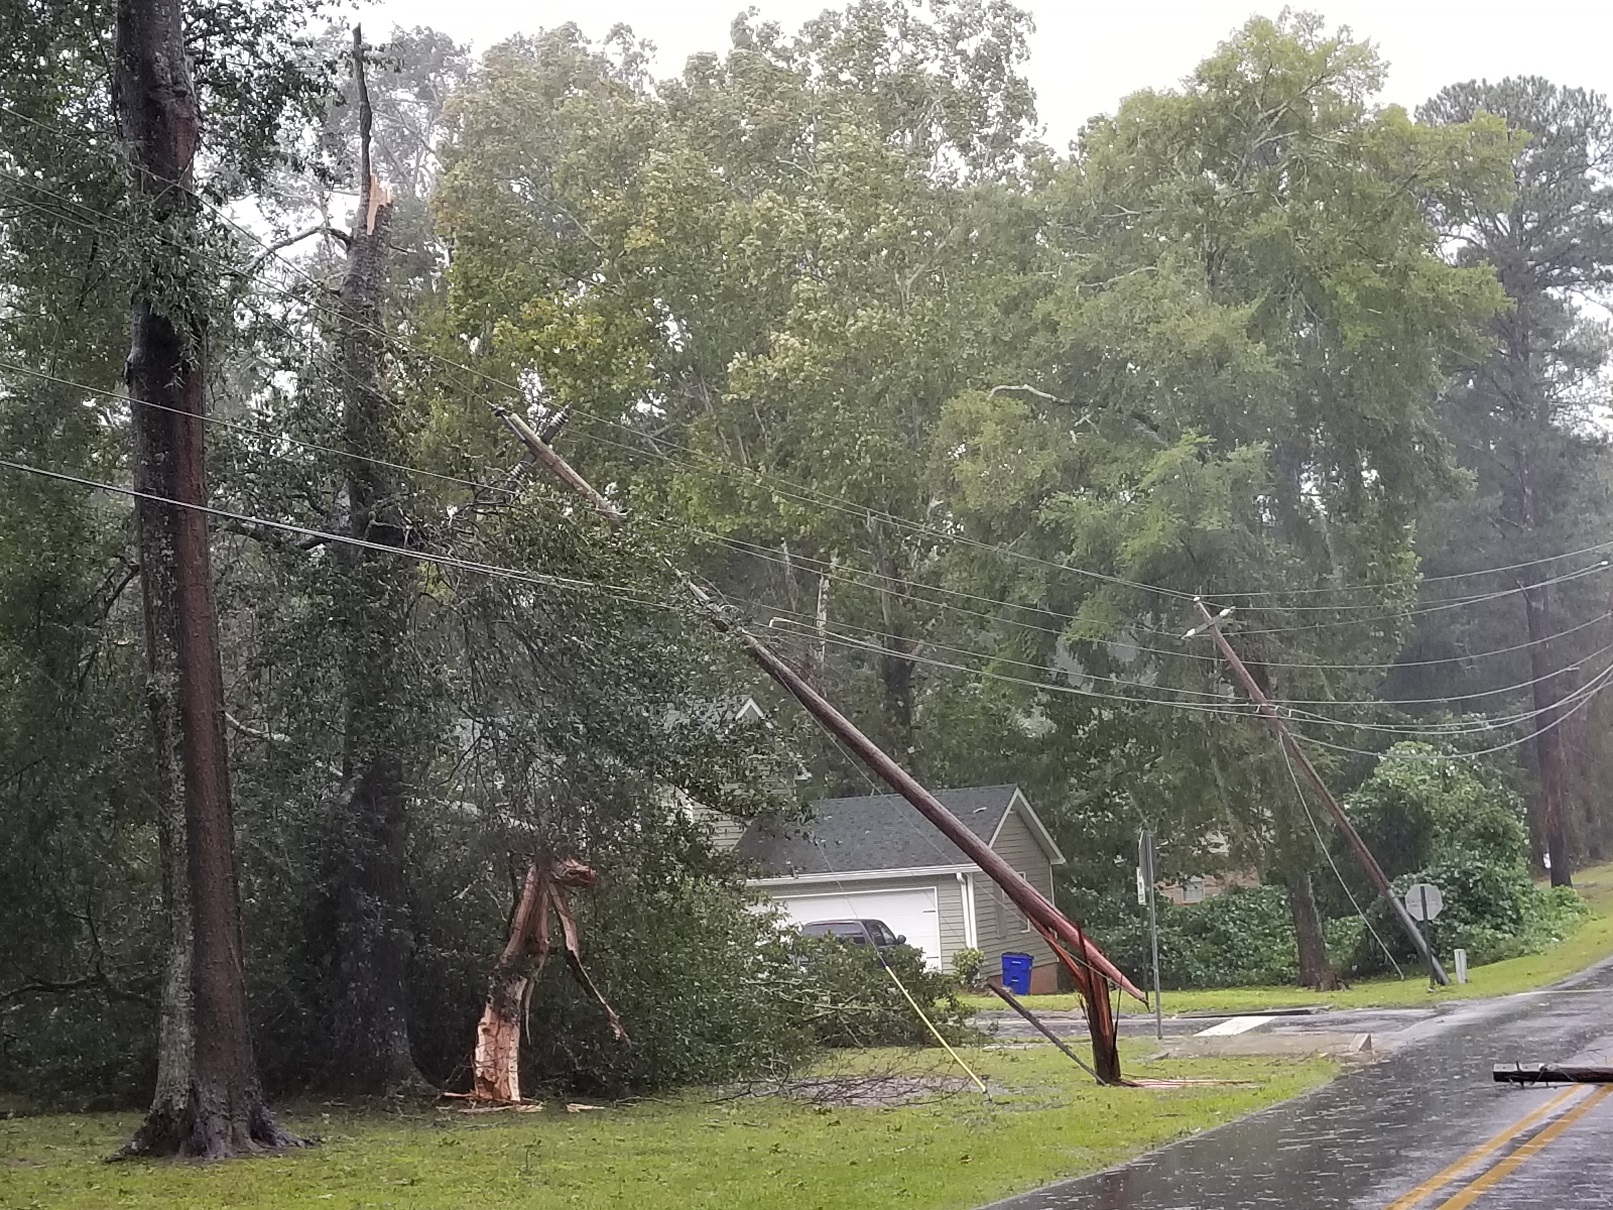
[
  {"x": 1085, "y": 962},
  {"x": 209, "y": 1102},
  {"x": 1369, "y": 863}
]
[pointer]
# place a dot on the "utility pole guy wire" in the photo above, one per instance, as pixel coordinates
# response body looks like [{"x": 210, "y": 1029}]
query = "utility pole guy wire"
[{"x": 1369, "y": 863}]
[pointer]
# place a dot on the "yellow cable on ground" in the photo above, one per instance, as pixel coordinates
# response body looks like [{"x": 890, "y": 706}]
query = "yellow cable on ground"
[{"x": 956, "y": 1057}]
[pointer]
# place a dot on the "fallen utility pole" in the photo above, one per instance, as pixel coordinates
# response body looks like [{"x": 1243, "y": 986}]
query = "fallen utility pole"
[
  {"x": 1369, "y": 863},
  {"x": 1550, "y": 1073},
  {"x": 1042, "y": 914},
  {"x": 1013, "y": 1002}
]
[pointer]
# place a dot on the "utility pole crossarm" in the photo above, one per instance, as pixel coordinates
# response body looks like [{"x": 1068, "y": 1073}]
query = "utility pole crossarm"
[{"x": 1369, "y": 863}]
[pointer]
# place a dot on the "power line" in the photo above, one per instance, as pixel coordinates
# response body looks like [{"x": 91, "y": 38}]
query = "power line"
[
  {"x": 816, "y": 495},
  {"x": 493, "y": 570},
  {"x": 849, "y": 576},
  {"x": 1221, "y": 706},
  {"x": 808, "y": 495},
  {"x": 253, "y": 430},
  {"x": 623, "y": 593},
  {"x": 1585, "y": 696}
]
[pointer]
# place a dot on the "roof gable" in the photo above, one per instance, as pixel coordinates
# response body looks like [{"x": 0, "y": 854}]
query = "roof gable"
[{"x": 884, "y": 832}]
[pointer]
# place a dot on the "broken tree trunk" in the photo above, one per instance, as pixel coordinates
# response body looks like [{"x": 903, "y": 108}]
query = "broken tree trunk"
[
  {"x": 497, "y": 1066},
  {"x": 368, "y": 827},
  {"x": 209, "y": 1101}
]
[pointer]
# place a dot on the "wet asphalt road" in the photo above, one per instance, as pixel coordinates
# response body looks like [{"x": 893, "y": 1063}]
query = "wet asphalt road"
[
  {"x": 1383, "y": 1129},
  {"x": 1377, "y": 1021}
]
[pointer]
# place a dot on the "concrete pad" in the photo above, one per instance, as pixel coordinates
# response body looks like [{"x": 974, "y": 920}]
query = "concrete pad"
[
  {"x": 1317, "y": 1042},
  {"x": 1234, "y": 1026}
]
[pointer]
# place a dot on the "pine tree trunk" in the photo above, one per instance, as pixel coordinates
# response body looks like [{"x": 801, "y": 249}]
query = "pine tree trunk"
[
  {"x": 1550, "y": 762},
  {"x": 1315, "y": 971},
  {"x": 209, "y": 1102},
  {"x": 897, "y": 669},
  {"x": 369, "y": 825}
]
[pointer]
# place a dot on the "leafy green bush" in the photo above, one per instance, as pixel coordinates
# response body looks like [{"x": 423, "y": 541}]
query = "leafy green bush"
[
  {"x": 847, "y": 998},
  {"x": 969, "y": 967},
  {"x": 708, "y": 990},
  {"x": 1243, "y": 936},
  {"x": 1456, "y": 826},
  {"x": 1493, "y": 913}
]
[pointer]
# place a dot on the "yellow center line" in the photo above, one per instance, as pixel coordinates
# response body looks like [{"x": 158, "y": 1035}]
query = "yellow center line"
[
  {"x": 1493, "y": 1144},
  {"x": 1530, "y": 1149}
]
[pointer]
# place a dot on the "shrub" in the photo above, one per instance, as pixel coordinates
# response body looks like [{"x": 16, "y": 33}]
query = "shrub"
[
  {"x": 1492, "y": 912},
  {"x": 969, "y": 967},
  {"x": 706, "y": 988},
  {"x": 1241, "y": 937},
  {"x": 847, "y": 998}
]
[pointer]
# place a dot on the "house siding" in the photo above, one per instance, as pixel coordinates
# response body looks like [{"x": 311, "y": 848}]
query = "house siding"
[
  {"x": 725, "y": 829},
  {"x": 999, "y": 924},
  {"x": 948, "y": 900}
]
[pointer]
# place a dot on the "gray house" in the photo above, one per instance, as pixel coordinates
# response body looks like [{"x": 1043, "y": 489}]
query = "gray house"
[{"x": 877, "y": 857}]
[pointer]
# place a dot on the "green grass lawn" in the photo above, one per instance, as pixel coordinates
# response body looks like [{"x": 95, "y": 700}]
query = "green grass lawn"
[
  {"x": 1046, "y": 1120},
  {"x": 1590, "y": 942}
]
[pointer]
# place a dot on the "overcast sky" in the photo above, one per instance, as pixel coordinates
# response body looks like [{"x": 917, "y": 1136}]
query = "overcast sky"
[{"x": 1085, "y": 57}]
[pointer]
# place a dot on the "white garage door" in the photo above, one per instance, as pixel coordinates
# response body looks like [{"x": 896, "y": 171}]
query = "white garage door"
[{"x": 911, "y": 913}]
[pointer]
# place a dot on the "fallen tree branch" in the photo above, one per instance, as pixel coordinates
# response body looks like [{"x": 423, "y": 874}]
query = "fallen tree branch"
[
  {"x": 270, "y": 537},
  {"x": 279, "y": 246},
  {"x": 66, "y": 987}
]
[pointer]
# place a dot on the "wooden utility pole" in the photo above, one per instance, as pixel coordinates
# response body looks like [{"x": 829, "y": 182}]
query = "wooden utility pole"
[
  {"x": 209, "y": 1101},
  {"x": 1369, "y": 863},
  {"x": 1041, "y": 912}
]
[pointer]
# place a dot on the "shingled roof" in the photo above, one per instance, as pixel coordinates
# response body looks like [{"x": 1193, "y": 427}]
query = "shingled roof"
[{"x": 875, "y": 832}]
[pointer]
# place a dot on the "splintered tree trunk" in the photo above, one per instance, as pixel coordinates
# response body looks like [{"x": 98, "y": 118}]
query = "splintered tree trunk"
[
  {"x": 1315, "y": 971},
  {"x": 497, "y": 1067},
  {"x": 209, "y": 1101},
  {"x": 498, "y": 1035},
  {"x": 369, "y": 825}
]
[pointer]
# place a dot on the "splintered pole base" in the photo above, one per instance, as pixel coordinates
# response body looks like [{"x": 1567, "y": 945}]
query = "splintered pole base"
[{"x": 1550, "y": 1073}]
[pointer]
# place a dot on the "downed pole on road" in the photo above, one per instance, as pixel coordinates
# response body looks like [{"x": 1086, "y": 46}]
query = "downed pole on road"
[
  {"x": 1550, "y": 1073},
  {"x": 1091, "y": 970}
]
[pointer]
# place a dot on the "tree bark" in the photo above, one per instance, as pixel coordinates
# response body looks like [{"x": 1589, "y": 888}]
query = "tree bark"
[
  {"x": 369, "y": 825},
  {"x": 1315, "y": 970},
  {"x": 497, "y": 1065},
  {"x": 1548, "y": 739},
  {"x": 209, "y": 1101},
  {"x": 1550, "y": 761}
]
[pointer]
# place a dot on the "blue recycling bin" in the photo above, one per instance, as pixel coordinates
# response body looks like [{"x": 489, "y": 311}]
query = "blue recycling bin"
[{"x": 1017, "y": 973}]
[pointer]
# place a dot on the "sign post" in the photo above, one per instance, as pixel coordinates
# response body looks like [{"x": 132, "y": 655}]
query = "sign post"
[
  {"x": 1423, "y": 903},
  {"x": 1146, "y": 878}
]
